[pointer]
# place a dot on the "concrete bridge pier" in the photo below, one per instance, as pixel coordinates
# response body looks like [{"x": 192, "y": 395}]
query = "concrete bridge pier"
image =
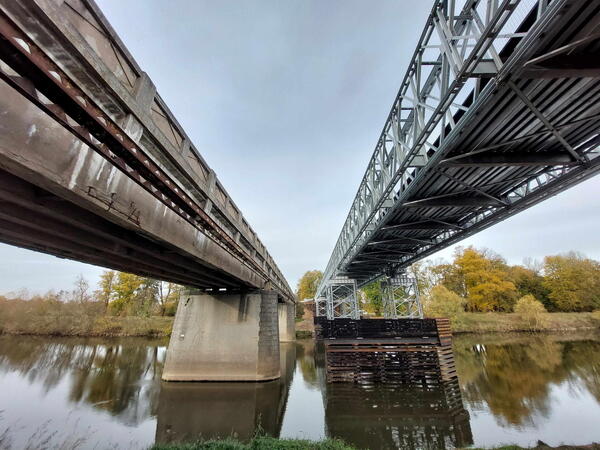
[
  {"x": 287, "y": 322},
  {"x": 224, "y": 337}
]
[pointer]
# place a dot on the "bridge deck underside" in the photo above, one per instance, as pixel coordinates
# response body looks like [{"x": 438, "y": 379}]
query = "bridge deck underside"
[
  {"x": 36, "y": 219},
  {"x": 87, "y": 172},
  {"x": 523, "y": 128}
]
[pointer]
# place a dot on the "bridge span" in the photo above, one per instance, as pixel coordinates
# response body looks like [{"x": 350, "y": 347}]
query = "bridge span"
[
  {"x": 499, "y": 109},
  {"x": 94, "y": 167}
]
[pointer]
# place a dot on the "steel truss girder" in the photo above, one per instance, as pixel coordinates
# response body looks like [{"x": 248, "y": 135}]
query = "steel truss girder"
[
  {"x": 422, "y": 125},
  {"x": 342, "y": 301},
  {"x": 320, "y": 306},
  {"x": 400, "y": 297},
  {"x": 428, "y": 99}
]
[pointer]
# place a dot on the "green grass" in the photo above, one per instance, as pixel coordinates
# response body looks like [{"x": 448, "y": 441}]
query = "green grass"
[
  {"x": 541, "y": 447},
  {"x": 258, "y": 443}
]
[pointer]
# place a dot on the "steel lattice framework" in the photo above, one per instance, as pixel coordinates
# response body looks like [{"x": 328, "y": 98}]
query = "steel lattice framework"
[
  {"x": 342, "y": 302},
  {"x": 401, "y": 298},
  {"x": 498, "y": 110}
]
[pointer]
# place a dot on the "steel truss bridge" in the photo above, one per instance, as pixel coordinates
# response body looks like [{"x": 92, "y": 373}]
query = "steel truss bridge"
[{"x": 499, "y": 109}]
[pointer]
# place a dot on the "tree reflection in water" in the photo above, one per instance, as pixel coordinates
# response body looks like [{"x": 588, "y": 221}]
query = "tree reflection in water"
[
  {"x": 120, "y": 377},
  {"x": 512, "y": 375}
]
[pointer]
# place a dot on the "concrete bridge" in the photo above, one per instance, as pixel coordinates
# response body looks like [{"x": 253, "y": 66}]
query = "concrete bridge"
[
  {"x": 499, "y": 109},
  {"x": 94, "y": 167}
]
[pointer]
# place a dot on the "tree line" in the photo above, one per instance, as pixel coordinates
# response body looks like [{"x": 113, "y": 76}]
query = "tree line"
[
  {"x": 483, "y": 281},
  {"x": 117, "y": 293},
  {"x": 480, "y": 280}
]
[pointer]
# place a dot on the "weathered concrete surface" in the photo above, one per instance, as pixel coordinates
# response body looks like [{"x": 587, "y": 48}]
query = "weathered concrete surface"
[
  {"x": 80, "y": 39},
  {"x": 39, "y": 150},
  {"x": 224, "y": 337},
  {"x": 287, "y": 322}
]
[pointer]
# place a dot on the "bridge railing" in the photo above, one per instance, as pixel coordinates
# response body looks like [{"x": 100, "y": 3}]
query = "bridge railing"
[{"x": 460, "y": 44}]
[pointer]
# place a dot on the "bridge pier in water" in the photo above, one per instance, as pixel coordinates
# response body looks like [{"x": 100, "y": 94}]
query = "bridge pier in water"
[
  {"x": 286, "y": 313},
  {"x": 220, "y": 336}
]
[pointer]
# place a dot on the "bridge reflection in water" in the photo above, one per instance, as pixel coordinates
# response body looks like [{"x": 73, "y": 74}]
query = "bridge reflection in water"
[
  {"x": 107, "y": 392},
  {"x": 368, "y": 416},
  {"x": 385, "y": 416},
  {"x": 192, "y": 411}
]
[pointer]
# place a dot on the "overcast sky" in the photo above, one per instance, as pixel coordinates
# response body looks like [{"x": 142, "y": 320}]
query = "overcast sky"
[{"x": 285, "y": 100}]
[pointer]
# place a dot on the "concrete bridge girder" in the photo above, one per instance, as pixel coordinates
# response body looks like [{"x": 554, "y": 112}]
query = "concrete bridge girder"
[
  {"x": 72, "y": 42},
  {"x": 40, "y": 151}
]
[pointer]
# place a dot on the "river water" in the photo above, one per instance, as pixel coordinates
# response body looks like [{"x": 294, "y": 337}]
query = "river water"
[{"x": 101, "y": 393}]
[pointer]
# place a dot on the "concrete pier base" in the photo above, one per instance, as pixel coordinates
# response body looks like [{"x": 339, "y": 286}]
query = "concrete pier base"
[
  {"x": 224, "y": 337},
  {"x": 287, "y": 322}
]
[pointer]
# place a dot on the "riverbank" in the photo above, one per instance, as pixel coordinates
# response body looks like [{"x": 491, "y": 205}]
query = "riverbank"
[
  {"x": 84, "y": 326},
  {"x": 268, "y": 443},
  {"x": 259, "y": 443},
  {"x": 494, "y": 322},
  {"x": 69, "y": 323},
  {"x": 511, "y": 322}
]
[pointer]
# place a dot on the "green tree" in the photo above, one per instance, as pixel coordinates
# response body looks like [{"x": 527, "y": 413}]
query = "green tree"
[
  {"x": 167, "y": 296},
  {"x": 307, "y": 289},
  {"x": 373, "y": 296},
  {"x": 106, "y": 292},
  {"x": 442, "y": 302},
  {"x": 531, "y": 310},
  {"x": 134, "y": 295},
  {"x": 529, "y": 282},
  {"x": 573, "y": 282}
]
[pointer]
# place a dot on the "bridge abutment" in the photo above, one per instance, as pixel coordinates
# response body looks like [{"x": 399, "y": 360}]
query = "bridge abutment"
[
  {"x": 287, "y": 322},
  {"x": 224, "y": 337}
]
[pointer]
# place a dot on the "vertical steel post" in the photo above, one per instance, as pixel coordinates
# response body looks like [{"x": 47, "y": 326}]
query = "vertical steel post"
[
  {"x": 342, "y": 301},
  {"x": 400, "y": 296},
  {"x": 320, "y": 306}
]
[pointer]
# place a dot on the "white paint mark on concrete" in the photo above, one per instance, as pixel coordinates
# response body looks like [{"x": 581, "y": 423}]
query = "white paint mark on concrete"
[
  {"x": 31, "y": 131},
  {"x": 77, "y": 168},
  {"x": 111, "y": 175}
]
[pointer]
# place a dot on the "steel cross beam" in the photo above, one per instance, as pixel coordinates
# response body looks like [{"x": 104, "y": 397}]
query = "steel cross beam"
[{"x": 467, "y": 55}]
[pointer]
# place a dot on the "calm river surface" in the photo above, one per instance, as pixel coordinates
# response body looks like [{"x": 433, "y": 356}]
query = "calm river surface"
[{"x": 91, "y": 393}]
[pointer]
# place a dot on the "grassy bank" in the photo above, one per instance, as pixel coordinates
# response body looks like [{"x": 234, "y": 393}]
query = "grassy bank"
[
  {"x": 544, "y": 447},
  {"x": 103, "y": 326},
  {"x": 89, "y": 319},
  {"x": 69, "y": 319},
  {"x": 501, "y": 323},
  {"x": 511, "y": 322},
  {"x": 268, "y": 443},
  {"x": 259, "y": 443}
]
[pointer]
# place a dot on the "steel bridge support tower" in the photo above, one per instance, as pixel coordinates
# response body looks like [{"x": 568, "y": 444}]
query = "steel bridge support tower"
[
  {"x": 400, "y": 296},
  {"x": 342, "y": 301},
  {"x": 320, "y": 306}
]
